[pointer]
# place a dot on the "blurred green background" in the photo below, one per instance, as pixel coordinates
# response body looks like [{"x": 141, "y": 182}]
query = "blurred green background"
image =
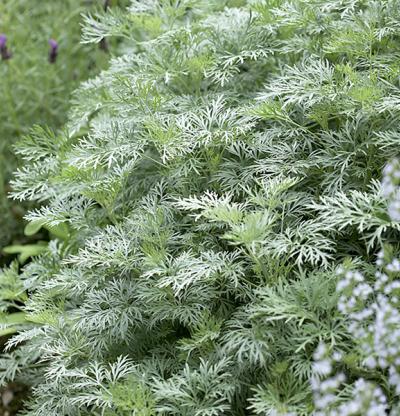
[{"x": 34, "y": 91}]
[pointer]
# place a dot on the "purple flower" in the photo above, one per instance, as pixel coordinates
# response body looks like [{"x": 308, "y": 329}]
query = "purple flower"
[
  {"x": 53, "y": 51},
  {"x": 4, "y": 52},
  {"x": 3, "y": 40}
]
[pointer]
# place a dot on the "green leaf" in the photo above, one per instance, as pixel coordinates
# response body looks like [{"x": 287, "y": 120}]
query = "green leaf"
[
  {"x": 12, "y": 321},
  {"x": 26, "y": 251},
  {"x": 60, "y": 231},
  {"x": 33, "y": 227}
]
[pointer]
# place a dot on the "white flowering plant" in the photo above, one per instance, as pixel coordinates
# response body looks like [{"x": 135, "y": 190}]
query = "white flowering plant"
[{"x": 372, "y": 308}]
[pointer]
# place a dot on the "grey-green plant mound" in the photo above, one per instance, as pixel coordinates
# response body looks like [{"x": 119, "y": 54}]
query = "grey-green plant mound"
[{"x": 208, "y": 185}]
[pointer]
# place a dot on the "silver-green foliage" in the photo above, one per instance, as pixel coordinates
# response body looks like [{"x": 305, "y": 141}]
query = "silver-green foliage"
[{"x": 231, "y": 163}]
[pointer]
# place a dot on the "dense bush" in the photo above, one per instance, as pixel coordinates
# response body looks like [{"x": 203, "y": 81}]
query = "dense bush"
[
  {"x": 207, "y": 190},
  {"x": 32, "y": 89}
]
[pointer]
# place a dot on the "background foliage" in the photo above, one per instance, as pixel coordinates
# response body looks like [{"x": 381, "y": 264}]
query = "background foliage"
[
  {"x": 212, "y": 191},
  {"x": 32, "y": 90}
]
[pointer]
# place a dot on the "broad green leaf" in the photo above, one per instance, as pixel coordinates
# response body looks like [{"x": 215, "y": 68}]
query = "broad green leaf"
[
  {"x": 33, "y": 227},
  {"x": 26, "y": 251}
]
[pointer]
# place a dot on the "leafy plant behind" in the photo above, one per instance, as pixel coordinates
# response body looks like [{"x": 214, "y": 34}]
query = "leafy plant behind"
[{"x": 33, "y": 90}]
